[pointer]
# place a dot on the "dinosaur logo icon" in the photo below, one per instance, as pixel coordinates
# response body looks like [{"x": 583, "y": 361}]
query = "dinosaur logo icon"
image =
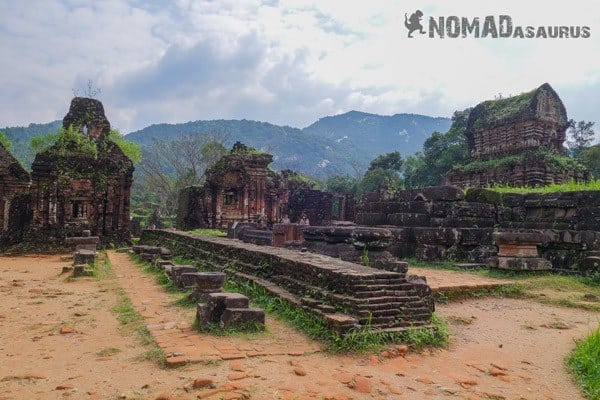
[{"x": 414, "y": 23}]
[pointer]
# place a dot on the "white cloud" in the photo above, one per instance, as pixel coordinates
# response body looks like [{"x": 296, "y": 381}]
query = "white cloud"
[{"x": 287, "y": 61}]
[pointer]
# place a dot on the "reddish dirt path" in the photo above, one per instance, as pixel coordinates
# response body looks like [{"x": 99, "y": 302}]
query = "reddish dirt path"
[{"x": 518, "y": 336}]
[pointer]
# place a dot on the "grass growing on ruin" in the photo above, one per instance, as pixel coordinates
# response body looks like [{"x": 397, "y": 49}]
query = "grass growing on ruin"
[
  {"x": 209, "y": 232},
  {"x": 584, "y": 363},
  {"x": 365, "y": 339},
  {"x": 571, "y": 186}
]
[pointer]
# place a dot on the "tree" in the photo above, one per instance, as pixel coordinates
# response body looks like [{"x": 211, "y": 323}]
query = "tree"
[
  {"x": 389, "y": 161},
  {"x": 5, "y": 141},
  {"x": 441, "y": 152},
  {"x": 580, "y": 135},
  {"x": 384, "y": 172},
  {"x": 168, "y": 167},
  {"x": 90, "y": 90},
  {"x": 341, "y": 184},
  {"x": 590, "y": 158}
]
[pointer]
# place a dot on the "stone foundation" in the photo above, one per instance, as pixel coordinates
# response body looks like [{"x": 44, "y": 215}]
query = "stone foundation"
[
  {"x": 443, "y": 222},
  {"x": 345, "y": 294}
]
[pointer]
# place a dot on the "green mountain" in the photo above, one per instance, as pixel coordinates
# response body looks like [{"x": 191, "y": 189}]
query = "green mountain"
[
  {"x": 333, "y": 145},
  {"x": 340, "y": 144}
]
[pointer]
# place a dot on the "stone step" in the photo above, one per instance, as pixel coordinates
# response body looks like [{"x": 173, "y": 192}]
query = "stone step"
[
  {"x": 395, "y": 320},
  {"x": 374, "y": 281},
  {"x": 382, "y": 299},
  {"x": 369, "y": 287},
  {"x": 392, "y": 305}
]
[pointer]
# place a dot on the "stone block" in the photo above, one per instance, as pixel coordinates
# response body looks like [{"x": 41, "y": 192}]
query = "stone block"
[
  {"x": 209, "y": 281},
  {"x": 149, "y": 257},
  {"x": 403, "y": 219},
  {"x": 218, "y": 302},
  {"x": 82, "y": 270},
  {"x": 203, "y": 315},
  {"x": 590, "y": 264},
  {"x": 371, "y": 219},
  {"x": 161, "y": 264},
  {"x": 176, "y": 271},
  {"x": 513, "y": 199},
  {"x": 239, "y": 317},
  {"x": 372, "y": 238},
  {"x": 465, "y": 209},
  {"x": 520, "y": 263},
  {"x": 341, "y": 323},
  {"x": 440, "y": 209},
  {"x": 82, "y": 240},
  {"x": 476, "y": 236},
  {"x": 427, "y": 252},
  {"x": 480, "y": 195},
  {"x": 84, "y": 257},
  {"x": 517, "y": 250},
  {"x": 437, "y": 236},
  {"x": 90, "y": 247}
]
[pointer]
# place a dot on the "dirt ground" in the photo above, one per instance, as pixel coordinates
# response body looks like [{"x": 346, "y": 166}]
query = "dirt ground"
[{"x": 60, "y": 339}]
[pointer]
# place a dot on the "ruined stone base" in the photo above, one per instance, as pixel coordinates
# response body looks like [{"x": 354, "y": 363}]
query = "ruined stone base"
[
  {"x": 520, "y": 263},
  {"x": 84, "y": 257},
  {"x": 228, "y": 310},
  {"x": 346, "y": 295},
  {"x": 82, "y": 270},
  {"x": 241, "y": 317}
]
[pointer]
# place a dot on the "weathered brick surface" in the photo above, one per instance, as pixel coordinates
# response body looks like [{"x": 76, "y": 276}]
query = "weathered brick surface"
[
  {"x": 351, "y": 288},
  {"x": 461, "y": 226}
]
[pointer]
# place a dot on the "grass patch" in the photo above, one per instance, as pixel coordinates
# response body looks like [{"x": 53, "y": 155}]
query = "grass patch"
[
  {"x": 364, "y": 339},
  {"x": 159, "y": 274},
  {"x": 109, "y": 351},
  {"x": 584, "y": 364},
  {"x": 102, "y": 269},
  {"x": 570, "y": 186},
  {"x": 132, "y": 321},
  {"x": 185, "y": 301},
  {"x": 209, "y": 232}
]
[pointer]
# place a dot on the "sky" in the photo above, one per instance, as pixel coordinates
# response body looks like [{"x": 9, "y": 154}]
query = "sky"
[{"x": 288, "y": 62}]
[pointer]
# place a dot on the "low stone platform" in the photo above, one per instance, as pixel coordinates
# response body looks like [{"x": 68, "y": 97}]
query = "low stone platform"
[
  {"x": 457, "y": 281},
  {"x": 357, "y": 295}
]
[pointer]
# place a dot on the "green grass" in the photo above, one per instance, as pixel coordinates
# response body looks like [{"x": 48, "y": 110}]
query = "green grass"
[
  {"x": 102, "y": 270},
  {"x": 209, "y": 232},
  {"x": 159, "y": 275},
  {"x": 362, "y": 340},
  {"x": 132, "y": 322},
  {"x": 571, "y": 186},
  {"x": 584, "y": 364}
]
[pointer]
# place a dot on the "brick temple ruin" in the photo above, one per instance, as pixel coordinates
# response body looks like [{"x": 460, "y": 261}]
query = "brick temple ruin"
[
  {"x": 511, "y": 141},
  {"x": 81, "y": 183},
  {"x": 14, "y": 185},
  {"x": 240, "y": 187}
]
